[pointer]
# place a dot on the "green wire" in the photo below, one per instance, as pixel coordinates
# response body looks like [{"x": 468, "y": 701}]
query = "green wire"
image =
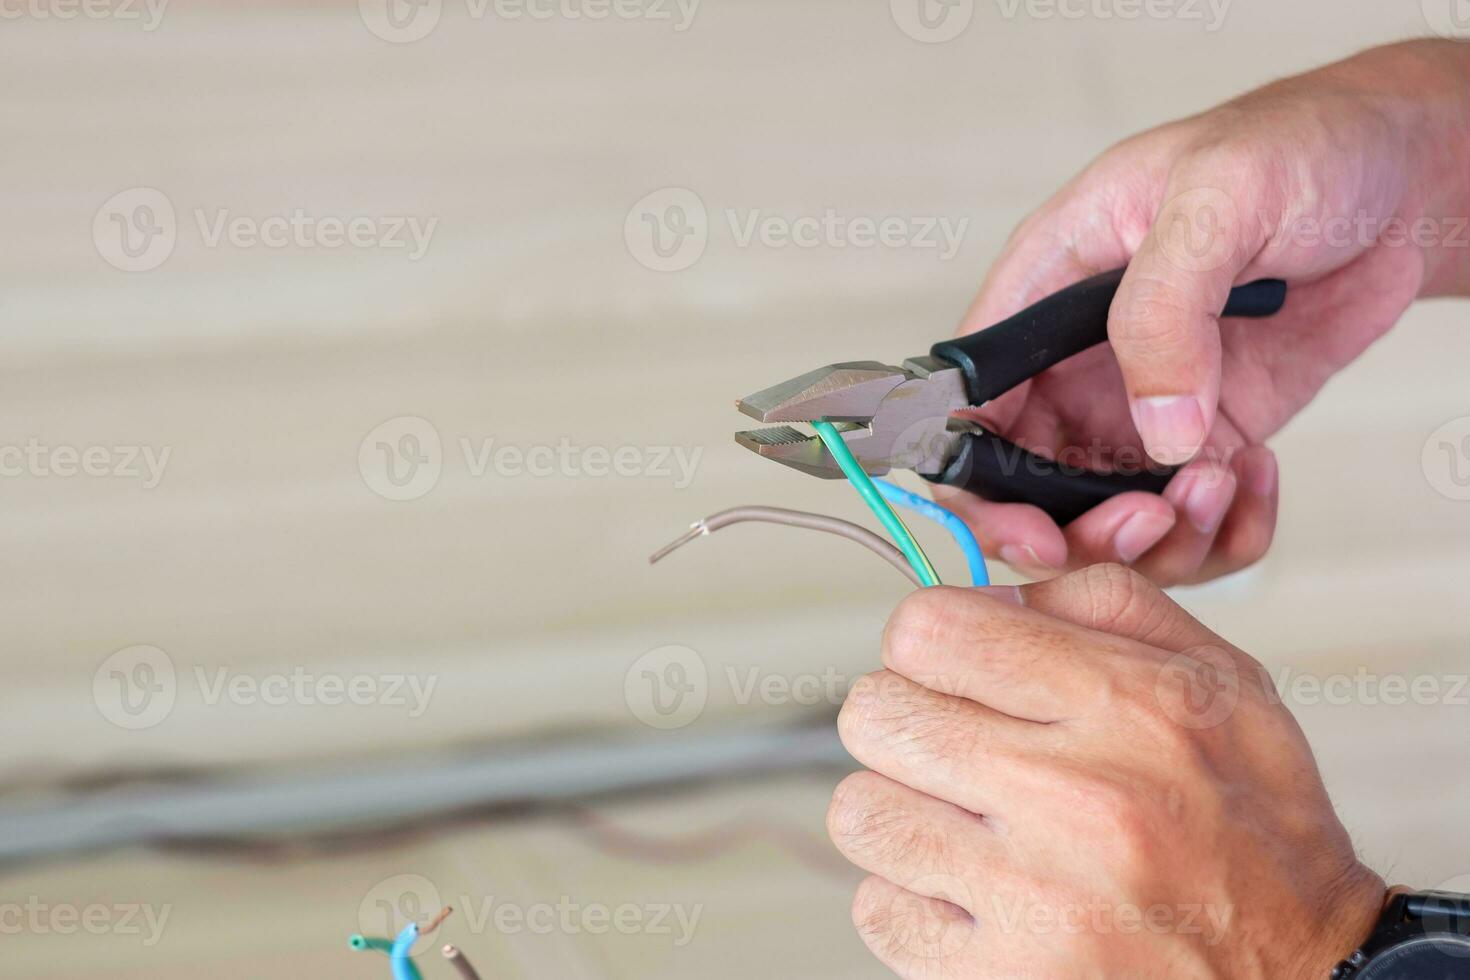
[{"x": 865, "y": 488}]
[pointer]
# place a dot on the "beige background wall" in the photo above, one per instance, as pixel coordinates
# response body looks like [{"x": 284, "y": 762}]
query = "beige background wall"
[{"x": 264, "y": 549}]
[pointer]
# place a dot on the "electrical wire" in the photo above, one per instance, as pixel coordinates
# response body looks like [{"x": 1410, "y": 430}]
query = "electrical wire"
[
  {"x": 460, "y": 963},
  {"x": 793, "y": 518},
  {"x": 880, "y": 508},
  {"x": 360, "y": 942},
  {"x": 950, "y": 521},
  {"x": 399, "y": 955}
]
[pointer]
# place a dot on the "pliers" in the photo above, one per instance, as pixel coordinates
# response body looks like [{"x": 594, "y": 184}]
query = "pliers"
[{"x": 901, "y": 417}]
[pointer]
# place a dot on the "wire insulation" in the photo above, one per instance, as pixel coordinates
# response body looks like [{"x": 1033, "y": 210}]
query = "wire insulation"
[
  {"x": 460, "y": 963},
  {"x": 794, "y": 518},
  {"x": 950, "y": 521},
  {"x": 361, "y": 942},
  {"x": 860, "y": 480}
]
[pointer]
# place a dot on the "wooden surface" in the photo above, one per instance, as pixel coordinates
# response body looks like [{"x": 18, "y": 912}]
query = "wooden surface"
[{"x": 264, "y": 550}]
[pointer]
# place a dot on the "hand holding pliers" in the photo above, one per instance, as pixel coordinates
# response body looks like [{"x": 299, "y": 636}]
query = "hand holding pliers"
[{"x": 902, "y": 417}]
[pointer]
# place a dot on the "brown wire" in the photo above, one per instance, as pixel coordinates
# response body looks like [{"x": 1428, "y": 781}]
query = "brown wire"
[
  {"x": 793, "y": 518},
  {"x": 454, "y": 956},
  {"x": 436, "y": 920}
]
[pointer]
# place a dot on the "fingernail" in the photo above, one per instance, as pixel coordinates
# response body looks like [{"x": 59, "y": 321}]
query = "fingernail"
[
  {"x": 1004, "y": 593},
  {"x": 1022, "y": 555},
  {"x": 1208, "y": 500},
  {"x": 1139, "y": 533},
  {"x": 1172, "y": 427},
  {"x": 1261, "y": 474}
]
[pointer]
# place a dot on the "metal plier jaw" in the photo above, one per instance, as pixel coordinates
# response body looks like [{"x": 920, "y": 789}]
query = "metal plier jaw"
[{"x": 890, "y": 417}]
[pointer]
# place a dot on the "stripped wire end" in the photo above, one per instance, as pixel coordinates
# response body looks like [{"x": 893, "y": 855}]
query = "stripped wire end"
[
  {"x": 697, "y": 529},
  {"x": 436, "y": 921},
  {"x": 460, "y": 963}
]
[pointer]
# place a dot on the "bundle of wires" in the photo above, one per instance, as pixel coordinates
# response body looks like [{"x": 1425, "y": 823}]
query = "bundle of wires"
[
  {"x": 908, "y": 557},
  {"x": 877, "y": 494}
]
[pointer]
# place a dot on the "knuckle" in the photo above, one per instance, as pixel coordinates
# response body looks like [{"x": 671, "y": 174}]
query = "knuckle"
[
  {"x": 1224, "y": 161},
  {"x": 1116, "y": 597},
  {"x": 1156, "y": 319},
  {"x": 1119, "y": 818},
  {"x": 871, "y": 911},
  {"x": 1247, "y": 546},
  {"x": 857, "y": 717},
  {"x": 866, "y": 819},
  {"x": 913, "y": 628},
  {"x": 856, "y": 815}
]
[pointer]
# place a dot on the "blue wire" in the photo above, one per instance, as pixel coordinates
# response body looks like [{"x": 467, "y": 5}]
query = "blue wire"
[
  {"x": 403, "y": 967},
  {"x": 951, "y": 522}
]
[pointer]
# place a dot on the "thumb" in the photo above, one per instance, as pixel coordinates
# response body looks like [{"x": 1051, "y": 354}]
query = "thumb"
[
  {"x": 1117, "y": 600},
  {"x": 1164, "y": 325}
]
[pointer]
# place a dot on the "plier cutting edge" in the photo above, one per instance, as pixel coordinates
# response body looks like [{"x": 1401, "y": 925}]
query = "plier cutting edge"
[{"x": 902, "y": 417}]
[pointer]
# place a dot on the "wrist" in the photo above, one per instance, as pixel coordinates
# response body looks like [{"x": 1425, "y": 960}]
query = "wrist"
[
  {"x": 1346, "y": 919},
  {"x": 1430, "y": 108}
]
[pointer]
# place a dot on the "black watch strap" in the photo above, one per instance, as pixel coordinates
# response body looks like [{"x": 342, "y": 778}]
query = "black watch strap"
[{"x": 1410, "y": 918}]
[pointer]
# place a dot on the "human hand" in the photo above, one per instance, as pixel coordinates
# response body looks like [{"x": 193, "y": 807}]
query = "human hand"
[
  {"x": 1347, "y": 182},
  {"x": 1078, "y": 779}
]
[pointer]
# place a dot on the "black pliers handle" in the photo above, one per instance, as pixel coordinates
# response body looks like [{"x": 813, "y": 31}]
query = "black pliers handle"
[{"x": 998, "y": 358}]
